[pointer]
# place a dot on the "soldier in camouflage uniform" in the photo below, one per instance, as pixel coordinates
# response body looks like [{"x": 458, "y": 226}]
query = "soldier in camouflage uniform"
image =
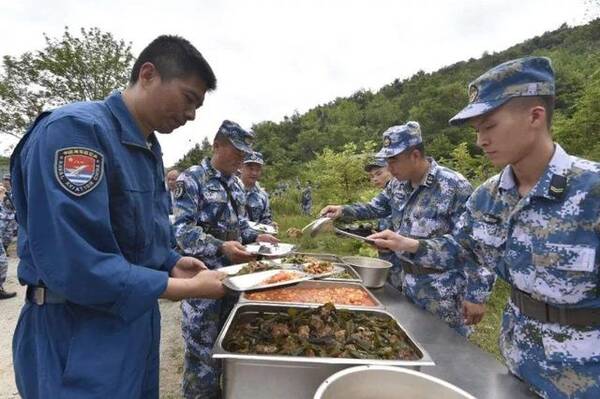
[
  {"x": 7, "y": 215},
  {"x": 380, "y": 176},
  {"x": 258, "y": 208},
  {"x": 424, "y": 200},
  {"x": 210, "y": 224},
  {"x": 306, "y": 199},
  {"x": 3, "y": 270},
  {"x": 537, "y": 224}
]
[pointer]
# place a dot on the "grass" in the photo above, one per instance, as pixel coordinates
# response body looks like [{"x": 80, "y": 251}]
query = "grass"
[
  {"x": 487, "y": 331},
  {"x": 286, "y": 214}
]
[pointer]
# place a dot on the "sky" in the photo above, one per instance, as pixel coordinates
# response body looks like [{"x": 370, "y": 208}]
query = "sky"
[{"x": 275, "y": 57}]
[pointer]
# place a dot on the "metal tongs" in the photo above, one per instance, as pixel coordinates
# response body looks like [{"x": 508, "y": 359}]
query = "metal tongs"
[{"x": 326, "y": 224}]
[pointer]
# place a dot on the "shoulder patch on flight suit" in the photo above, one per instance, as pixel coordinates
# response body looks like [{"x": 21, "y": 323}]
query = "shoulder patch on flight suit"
[
  {"x": 78, "y": 170},
  {"x": 179, "y": 189}
]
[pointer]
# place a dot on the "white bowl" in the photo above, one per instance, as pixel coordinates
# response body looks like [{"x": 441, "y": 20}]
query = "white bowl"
[{"x": 386, "y": 382}]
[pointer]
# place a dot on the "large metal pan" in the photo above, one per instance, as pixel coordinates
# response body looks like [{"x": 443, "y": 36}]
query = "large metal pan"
[{"x": 276, "y": 377}]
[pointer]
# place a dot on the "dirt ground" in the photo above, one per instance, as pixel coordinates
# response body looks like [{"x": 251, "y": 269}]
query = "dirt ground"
[{"x": 171, "y": 356}]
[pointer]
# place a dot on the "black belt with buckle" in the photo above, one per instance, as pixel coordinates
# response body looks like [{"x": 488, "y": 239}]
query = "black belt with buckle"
[
  {"x": 546, "y": 313},
  {"x": 41, "y": 295},
  {"x": 411, "y": 268}
]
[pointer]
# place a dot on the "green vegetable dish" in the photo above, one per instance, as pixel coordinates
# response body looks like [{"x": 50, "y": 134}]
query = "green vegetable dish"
[{"x": 321, "y": 332}]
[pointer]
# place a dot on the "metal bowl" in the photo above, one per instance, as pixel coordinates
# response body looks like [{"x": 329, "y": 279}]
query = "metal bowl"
[
  {"x": 386, "y": 382},
  {"x": 372, "y": 271}
]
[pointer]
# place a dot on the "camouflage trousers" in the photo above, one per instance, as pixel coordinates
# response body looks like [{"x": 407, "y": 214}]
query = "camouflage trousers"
[
  {"x": 395, "y": 273},
  {"x": 201, "y": 323},
  {"x": 556, "y": 361},
  {"x": 441, "y": 294},
  {"x": 9, "y": 233},
  {"x": 3, "y": 266},
  {"x": 306, "y": 208}
]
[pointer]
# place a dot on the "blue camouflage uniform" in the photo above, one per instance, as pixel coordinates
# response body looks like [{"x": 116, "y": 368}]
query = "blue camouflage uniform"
[
  {"x": 3, "y": 261},
  {"x": 257, "y": 205},
  {"x": 205, "y": 217},
  {"x": 432, "y": 209},
  {"x": 374, "y": 162},
  {"x": 546, "y": 245},
  {"x": 91, "y": 202},
  {"x": 306, "y": 200},
  {"x": 385, "y": 223},
  {"x": 9, "y": 222},
  {"x": 258, "y": 208}
]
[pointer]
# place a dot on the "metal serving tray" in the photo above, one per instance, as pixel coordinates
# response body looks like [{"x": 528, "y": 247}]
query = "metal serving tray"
[
  {"x": 322, "y": 284},
  {"x": 276, "y": 377}
]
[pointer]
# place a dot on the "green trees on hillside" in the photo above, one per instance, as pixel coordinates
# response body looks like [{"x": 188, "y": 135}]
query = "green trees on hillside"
[
  {"x": 195, "y": 155},
  {"x": 580, "y": 133},
  {"x": 67, "y": 69},
  {"x": 431, "y": 99}
]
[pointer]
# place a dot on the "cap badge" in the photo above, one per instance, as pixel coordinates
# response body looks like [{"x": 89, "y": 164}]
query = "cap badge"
[{"x": 473, "y": 92}]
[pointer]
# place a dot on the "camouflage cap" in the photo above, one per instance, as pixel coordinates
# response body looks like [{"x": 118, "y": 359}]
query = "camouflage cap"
[
  {"x": 374, "y": 162},
  {"x": 254, "y": 157},
  {"x": 399, "y": 138},
  {"x": 240, "y": 138},
  {"x": 523, "y": 77}
]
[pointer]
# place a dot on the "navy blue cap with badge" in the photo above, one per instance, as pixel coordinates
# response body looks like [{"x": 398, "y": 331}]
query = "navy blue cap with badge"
[
  {"x": 400, "y": 138},
  {"x": 254, "y": 157},
  {"x": 374, "y": 162},
  {"x": 523, "y": 77},
  {"x": 238, "y": 136}
]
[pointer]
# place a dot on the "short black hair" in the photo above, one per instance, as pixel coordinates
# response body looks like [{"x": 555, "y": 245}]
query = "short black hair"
[
  {"x": 371, "y": 167},
  {"x": 420, "y": 147},
  {"x": 548, "y": 102},
  {"x": 174, "y": 57}
]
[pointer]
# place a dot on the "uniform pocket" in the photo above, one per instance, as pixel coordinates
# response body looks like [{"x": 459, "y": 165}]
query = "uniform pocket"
[
  {"x": 103, "y": 351},
  {"x": 428, "y": 227},
  {"x": 565, "y": 273},
  {"x": 215, "y": 194},
  {"x": 490, "y": 234},
  {"x": 566, "y": 344},
  {"x": 132, "y": 219}
]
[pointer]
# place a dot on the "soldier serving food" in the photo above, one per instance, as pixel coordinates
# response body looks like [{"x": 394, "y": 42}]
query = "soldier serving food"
[
  {"x": 537, "y": 224},
  {"x": 423, "y": 200}
]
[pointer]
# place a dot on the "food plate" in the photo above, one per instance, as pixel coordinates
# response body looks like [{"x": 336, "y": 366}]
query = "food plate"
[
  {"x": 335, "y": 269},
  {"x": 266, "y": 279},
  {"x": 267, "y": 249},
  {"x": 263, "y": 228},
  {"x": 235, "y": 269}
]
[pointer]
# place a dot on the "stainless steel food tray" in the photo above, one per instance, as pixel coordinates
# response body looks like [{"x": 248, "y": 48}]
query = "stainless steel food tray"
[
  {"x": 276, "y": 377},
  {"x": 322, "y": 284}
]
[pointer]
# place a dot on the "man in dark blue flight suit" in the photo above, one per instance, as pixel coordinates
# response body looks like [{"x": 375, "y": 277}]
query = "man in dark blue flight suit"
[{"x": 89, "y": 190}]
